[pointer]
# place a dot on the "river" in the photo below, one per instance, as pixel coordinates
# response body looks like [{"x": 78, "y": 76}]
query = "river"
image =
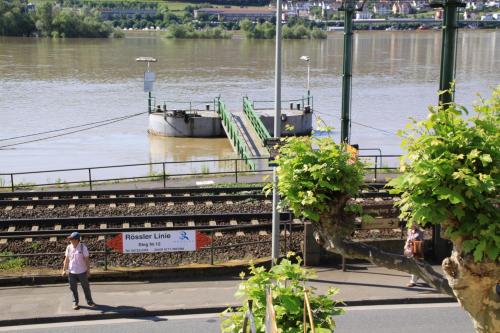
[{"x": 48, "y": 84}]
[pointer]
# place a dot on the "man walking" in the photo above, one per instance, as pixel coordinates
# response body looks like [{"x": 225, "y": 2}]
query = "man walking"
[{"x": 77, "y": 266}]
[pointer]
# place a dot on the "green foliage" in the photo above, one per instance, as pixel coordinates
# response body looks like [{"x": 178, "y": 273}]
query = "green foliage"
[
  {"x": 313, "y": 171},
  {"x": 451, "y": 175},
  {"x": 35, "y": 246},
  {"x": 188, "y": 31},
  {"x": 287, "y": 282},
  {"x": 11, "y": 262},
  {"x": 297, "y": 31},
  {"x": 264, "y": 30},
  {"x": 318, "y": 33},
  {"x": 49, "y": 20},
  {"x": 15, "y": 20}
]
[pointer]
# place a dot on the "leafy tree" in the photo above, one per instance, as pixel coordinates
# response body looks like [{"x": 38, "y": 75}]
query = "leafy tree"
[{"x": 451, "y": 178}]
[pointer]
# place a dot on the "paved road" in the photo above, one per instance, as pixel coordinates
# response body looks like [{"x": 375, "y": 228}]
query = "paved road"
[{"x": 442, "y": 318}]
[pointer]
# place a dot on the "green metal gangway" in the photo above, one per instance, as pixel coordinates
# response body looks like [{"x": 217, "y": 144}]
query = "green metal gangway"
[
  {"x": 255, "y": 121},
  {"x": 234, "y": 135}
]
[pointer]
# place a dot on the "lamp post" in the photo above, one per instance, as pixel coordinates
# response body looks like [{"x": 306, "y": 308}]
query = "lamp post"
[
  {"x": 275, "y": 238},
  {"x": 308, "y": 60}
]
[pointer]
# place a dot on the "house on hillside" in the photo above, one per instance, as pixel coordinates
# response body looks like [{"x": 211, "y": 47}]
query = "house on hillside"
[
  {"x": 237, "y": 14},
  {"x": 381, "y": 8},
  {"x": 108, "y": 14},
  {"x": 402, "y": 8}
]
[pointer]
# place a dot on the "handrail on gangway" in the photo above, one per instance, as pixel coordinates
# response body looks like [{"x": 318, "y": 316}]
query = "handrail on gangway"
[
  {"x": 234, "y": 134},
  {"x": 254, "y": 118}
]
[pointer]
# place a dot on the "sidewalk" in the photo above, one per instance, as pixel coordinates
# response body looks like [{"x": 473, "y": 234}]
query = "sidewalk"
[{"x": 362, "y": 284}]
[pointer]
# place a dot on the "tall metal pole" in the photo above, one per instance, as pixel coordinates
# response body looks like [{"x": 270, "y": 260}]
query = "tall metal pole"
[
  {"x": 347, "y": 72},
  {"x": 448, "y": 50},
  {"x": 308, "y": 81},
  {"x": 277, "y": 133},
  {"x": 446, "y": 79}
]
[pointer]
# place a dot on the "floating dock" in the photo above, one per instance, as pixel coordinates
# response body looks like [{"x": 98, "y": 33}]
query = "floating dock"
[{"x": 247, "y": 130}]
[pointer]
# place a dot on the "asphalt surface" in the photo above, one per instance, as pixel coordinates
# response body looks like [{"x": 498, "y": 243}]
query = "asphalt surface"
[
  {"x": 417, "y": 318},
  {"x": 362, "y": 284}
]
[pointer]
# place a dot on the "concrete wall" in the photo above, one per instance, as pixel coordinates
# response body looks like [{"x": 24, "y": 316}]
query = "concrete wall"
[
  {"x": 301, "y": 122},
  {"x": 208, "y": 125}
]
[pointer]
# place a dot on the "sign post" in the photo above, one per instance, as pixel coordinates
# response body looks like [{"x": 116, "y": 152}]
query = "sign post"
[
  {"x": 149, "y": 78},
  {"x": 159, "y": 241}
]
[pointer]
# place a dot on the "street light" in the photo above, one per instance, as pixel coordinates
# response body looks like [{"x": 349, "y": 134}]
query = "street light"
[{"x": 308, "y": 60}]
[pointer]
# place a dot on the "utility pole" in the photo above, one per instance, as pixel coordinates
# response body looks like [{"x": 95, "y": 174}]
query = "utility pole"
[
  {"x": 448, "y": 48},
  {"x": 446, "y": 81},
  {"x": 277, "y": 133},
  {"x": 348, "y": 7}
]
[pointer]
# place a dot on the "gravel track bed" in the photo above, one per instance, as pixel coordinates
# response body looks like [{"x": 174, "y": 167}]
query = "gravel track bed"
[
  {"x": 155, "y": 259},
  {"x": 140, "y": 210}
]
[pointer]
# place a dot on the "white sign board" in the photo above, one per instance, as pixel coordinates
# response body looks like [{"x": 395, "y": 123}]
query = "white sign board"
[
  {"x": 149, "y": 78},
  {"x": 159, "y": 241}
]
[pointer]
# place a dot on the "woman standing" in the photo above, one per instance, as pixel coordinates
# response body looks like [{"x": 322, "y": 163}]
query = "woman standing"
[{"x": 413, "y": 248}]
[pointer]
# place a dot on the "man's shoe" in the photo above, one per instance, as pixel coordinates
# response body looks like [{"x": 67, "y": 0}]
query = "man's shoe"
[
  {"x": 411, "y": 284},
  {"x": 76, "y": 307},
  {"x": 92, "y": 304}
]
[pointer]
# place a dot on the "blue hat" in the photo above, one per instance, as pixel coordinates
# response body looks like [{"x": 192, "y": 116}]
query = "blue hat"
[{"x": 74, "y": 235}]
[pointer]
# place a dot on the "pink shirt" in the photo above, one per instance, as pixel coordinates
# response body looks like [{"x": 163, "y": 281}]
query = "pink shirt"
[{"x": 76, "y": 258}]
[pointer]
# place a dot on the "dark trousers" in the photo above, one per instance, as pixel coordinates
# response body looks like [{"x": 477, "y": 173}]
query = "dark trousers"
[{"x": 84, "y": 281}]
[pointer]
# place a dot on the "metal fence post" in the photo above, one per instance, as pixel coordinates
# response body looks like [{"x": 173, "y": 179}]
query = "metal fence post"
[
  {"x": 376, "y": 159},
  {"x": 212, "y": 247},
  {"x": 164, "y": 176},
  {"x": 105, "y": 254},
  {"x": 90, "y": 179},
  {"x": 236, "y": 169},
  {"x": 12, "y": 182}
]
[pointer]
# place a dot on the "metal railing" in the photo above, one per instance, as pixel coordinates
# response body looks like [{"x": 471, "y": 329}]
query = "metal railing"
[
  {"x": 287, "y": 226},
  {"x": 191, "y": 106},
  {"x": 90, "y": 179},
  {"x": 234, "y": 135},
  {"x": 262, "y": 105},
  {"x": 257, "y": 124}
]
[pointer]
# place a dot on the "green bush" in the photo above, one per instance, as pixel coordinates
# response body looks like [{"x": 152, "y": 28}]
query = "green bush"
[
  {"x": 287, "y": 282},
  {"x": 11, "y": 262},
  {"x": 313, "y": 172},
  {"x": 187, "y": 31}
]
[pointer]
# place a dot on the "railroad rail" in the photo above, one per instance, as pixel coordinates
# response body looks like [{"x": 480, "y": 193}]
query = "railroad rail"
[
  {"x": 62, "y": 226},
  {"x": 151, "y": 195}
]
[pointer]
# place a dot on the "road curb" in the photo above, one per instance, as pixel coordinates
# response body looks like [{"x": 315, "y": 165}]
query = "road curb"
[
  {"x": 159, "y": 274},
  {"x": 204, "y": 310}
]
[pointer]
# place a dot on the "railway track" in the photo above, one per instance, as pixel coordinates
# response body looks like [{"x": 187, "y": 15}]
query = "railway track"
[
  {"x": 35, "y": 223},
  {"x": 49, "y": 227},
  {"x": 55, "y": 213}
]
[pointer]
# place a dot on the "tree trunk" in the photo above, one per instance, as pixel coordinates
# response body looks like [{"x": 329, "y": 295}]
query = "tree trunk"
[{"x": 474, "y": 284}]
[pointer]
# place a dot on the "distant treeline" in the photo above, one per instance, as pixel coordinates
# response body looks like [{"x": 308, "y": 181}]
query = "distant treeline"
[
  {"x": 129, "y": 4},
  {"x": 20, "y": 19},
  {"x": 296, "y": 28}
]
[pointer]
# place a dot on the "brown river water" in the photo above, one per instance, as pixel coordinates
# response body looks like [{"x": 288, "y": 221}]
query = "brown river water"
[{"x": 48, "y": 84}]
